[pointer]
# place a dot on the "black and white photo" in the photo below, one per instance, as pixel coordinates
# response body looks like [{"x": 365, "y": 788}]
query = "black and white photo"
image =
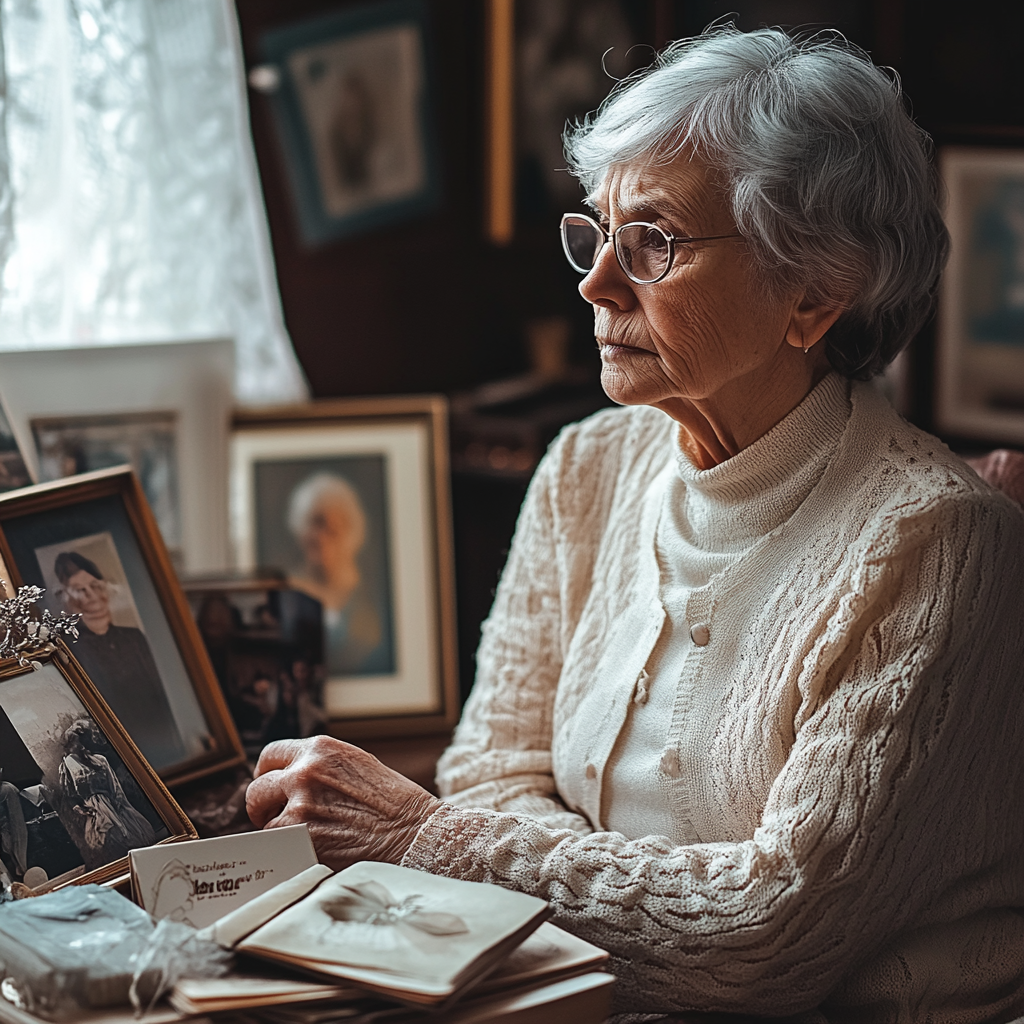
[
  {"x": 84, "y": 576},
  {"x": 70, "y": 802},
  {"x": 148, "y": 442}
]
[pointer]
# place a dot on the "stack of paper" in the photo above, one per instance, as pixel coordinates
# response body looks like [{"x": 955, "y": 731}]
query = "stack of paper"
[{"x": 379, "y": 935}]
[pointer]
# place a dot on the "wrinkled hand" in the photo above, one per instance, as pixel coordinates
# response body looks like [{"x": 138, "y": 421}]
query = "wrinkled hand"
[{"x": 356, "y": 808}]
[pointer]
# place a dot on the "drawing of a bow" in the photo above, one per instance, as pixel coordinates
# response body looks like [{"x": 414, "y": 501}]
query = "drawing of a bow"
[{"x": 371, "y": 903}]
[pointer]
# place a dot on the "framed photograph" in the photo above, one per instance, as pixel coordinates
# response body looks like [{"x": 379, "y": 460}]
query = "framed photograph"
[
  {"x": 349, "y": 500},
  {"x": 75, "y": 795},
  {"x": 163, "y": 409},
  {"x": 266, "y": 643},
  {"x": 93, "y": 545},
  {"x": 351, "y": 100},
  {"x": 14, "y": 471},
  {"x": 980, "y": 374}
]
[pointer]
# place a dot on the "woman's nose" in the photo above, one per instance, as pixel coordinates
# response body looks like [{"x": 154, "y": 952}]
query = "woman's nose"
[{"x": 606, "y": 285}]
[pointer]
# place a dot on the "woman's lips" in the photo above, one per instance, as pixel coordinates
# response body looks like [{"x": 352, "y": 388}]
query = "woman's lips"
[{"x": 616, "y": 350}]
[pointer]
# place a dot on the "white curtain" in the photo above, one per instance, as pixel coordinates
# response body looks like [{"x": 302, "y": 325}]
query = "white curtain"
[{"x": 130, "y": 208}]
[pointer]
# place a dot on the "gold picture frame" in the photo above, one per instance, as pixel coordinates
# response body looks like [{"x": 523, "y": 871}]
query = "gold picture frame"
[
  {"x": 381, "y": 463},
  {"x": 501, "y": 114},
  {"x": 146, "y": 656},
  {"x": 81, "y": 787},
  {"x": 980, "y": 360}
]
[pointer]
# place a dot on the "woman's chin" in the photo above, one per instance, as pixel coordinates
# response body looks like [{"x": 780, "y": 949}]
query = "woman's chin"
[{"x": 624, "y": 388}]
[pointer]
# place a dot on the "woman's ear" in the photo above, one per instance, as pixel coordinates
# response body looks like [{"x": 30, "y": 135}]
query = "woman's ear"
[{"x": 809, "y": 321}]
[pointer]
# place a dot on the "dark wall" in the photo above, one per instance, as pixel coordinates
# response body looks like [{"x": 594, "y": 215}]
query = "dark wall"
[{"x": 391, "y": 310}]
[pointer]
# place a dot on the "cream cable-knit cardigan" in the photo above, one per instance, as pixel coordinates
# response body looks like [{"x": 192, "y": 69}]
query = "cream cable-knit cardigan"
[
  {"x": 852, "y": 735},
  {"x": 707, "y": 520}
]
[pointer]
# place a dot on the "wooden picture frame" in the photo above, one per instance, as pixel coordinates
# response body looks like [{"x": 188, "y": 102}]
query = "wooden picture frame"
[
  {"x": 87, "y": 789},
  {"x": 149, "y": 656},
  {"x": 381, "y": 464},
  {"x": 980, "y": 371},
  {"x": 351, "y": 98}
]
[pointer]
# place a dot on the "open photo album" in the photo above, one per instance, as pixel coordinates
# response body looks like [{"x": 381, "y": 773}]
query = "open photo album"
[{"x": 411, "y": 936}]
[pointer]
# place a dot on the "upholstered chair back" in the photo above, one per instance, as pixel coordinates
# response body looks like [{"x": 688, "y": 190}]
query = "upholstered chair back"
[{"x": 1002, "y": 469}]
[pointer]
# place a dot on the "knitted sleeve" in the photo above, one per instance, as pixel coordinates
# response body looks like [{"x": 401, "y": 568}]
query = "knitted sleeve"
[
  {"x": 901, "y": 791},
  {"x": 500, "y": 756}
]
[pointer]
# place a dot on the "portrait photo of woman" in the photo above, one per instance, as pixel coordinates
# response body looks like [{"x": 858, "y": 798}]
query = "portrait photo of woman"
[
  {"x": 109, "y": 826},
  {"x": 327, "y": 519},
  {"x": 119, "y": 656},
  {"x": 324, "y": 523}
]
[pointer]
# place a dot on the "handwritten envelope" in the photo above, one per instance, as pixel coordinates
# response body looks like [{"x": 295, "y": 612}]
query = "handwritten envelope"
[{"x": 198, "y": 882}]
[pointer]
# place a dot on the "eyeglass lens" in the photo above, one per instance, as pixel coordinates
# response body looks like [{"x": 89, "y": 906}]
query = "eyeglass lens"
[
  {"x": 642, "y": 249},
  {"x": 582, "y": 242}
]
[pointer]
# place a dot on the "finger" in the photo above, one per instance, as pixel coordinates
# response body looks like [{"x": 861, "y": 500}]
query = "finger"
[
  {"x": 265, "y": 799},
  {"x": 277, "y": 755}
]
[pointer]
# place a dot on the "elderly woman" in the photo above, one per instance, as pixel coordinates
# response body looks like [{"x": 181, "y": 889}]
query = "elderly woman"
[{"x": 746, "y": 707}]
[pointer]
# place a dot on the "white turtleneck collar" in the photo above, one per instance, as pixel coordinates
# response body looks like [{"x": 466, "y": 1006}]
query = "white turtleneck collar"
[{"x": 710, "y": 516}]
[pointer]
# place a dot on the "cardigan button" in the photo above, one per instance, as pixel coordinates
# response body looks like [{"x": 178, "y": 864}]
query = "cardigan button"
[
  {"x": 700, "y": 634},
  {"x": 591, "y": 772},
  {"x": 670, "y": 763}
]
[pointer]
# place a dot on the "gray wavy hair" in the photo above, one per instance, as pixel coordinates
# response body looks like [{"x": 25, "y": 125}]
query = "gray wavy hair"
[
  {"x": 828, "y": 178},
  {"x": 325, "y": 487}
]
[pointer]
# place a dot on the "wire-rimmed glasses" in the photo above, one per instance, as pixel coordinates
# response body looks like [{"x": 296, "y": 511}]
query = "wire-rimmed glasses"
[{"x": 644, "y": 251}]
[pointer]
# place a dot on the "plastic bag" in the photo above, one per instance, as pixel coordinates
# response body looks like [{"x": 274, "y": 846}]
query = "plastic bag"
[
  {"x": 174, "y": 951},
  {"x": 70, "y": 950},
  {"x": 87, "y": 947}
]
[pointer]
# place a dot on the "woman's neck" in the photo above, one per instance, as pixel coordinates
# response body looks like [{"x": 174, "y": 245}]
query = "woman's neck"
[{"x": 715, "y": 428}]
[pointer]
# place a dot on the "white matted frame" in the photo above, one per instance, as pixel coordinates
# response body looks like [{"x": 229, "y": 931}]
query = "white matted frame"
[
  {"x": 388, "y": 457},
  {"x": 188, "y": 382},
  {"x": 980, "y": 373}
]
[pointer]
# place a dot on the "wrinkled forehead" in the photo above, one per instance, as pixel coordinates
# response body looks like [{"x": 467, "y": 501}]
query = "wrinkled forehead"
[{"x": 680, "y": 187}]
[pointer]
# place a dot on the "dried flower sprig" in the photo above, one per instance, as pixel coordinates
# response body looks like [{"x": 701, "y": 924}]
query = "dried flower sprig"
[{"x": 26, "y": 632}]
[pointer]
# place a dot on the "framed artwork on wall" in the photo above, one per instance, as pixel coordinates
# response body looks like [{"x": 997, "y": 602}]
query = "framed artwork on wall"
[
  {"x": 351, "y": 100},
  {"x": 546, "y": 64},
  {"x": 349, "y": 500},
  {"x": 92, "y": 544},
  {"x": 75, "y": 795},
  {"x": 980, "y": 373},
  {"x": 163, "y": 409}
]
